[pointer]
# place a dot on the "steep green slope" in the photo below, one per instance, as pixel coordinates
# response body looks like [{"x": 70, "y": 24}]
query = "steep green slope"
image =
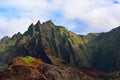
[
  {"x": 97, "y": 50},
  {"x": 106, "y": 55},
  {"x": 105, "y": 49},
  {"x": 58, "y": 41},
  {"x": 47, "y": 39},
  {"x": 7, "y": 50}
]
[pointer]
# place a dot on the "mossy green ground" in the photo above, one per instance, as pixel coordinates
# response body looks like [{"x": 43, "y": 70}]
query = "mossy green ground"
[{"x": 28, "y": 60}]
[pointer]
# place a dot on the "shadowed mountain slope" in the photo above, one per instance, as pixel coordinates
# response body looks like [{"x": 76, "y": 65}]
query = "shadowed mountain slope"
[{"x": 48, "y": 42}]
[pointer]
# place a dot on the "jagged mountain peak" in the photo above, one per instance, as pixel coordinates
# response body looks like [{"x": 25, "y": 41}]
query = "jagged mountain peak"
[
  {"x": 17, "y": 36},
  {"x": 38, "y": 27},
  {"x": 4, "y": 39},
  {"x": 43, "y": 40},
  {"x": 116, "y": 30},
  {"x": 48, "y": 24},
  {"x": 49, "y": 21},
  {"x": 44, "y": 23},
  {"x": 38, "y": 22}
]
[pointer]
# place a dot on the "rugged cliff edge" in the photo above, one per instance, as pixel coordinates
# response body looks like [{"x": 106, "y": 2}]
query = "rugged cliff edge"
[{"x": 49, "y": 42}]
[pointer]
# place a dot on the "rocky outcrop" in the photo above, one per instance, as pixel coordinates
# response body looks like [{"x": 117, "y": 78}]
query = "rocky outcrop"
[
  {"x": 4, "y": 39},
  {"x": 43, "y": 40},
  {"x": 57, "y": 41},
  {"x": 30, "y": 68}
]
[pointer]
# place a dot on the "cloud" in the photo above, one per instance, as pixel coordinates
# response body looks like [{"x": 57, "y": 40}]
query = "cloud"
[
  {"x": 10, "y": 27},
  {"x": 99, "y": 15},
  {"x": 79, "y": 16}
]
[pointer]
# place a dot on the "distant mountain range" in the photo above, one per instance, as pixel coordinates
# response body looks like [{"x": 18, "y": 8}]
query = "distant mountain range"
[{"x": 58, "y": 47}]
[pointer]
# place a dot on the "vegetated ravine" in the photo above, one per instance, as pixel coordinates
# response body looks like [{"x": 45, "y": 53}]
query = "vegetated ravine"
[{"x": 57, "y": 46}]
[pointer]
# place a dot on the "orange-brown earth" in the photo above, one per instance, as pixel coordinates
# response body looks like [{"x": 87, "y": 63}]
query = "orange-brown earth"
[{"x": 30, "y": 68}]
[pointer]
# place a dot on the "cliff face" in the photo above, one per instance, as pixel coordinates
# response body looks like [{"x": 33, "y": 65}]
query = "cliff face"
[
  {"x": 49, "y": 42},
  {"x": 4, "y": 39},
  {"x": 58, "y": 41},
  {"x": 47, "y": 39},
  {"x": 105, "y": 49}
]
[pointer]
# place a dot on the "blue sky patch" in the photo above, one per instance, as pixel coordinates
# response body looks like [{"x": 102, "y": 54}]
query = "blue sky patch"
[
  {"x": 80, "y": 22},
  {"x": 116, "y": 2},
  {"x": 9, "y": 13}
]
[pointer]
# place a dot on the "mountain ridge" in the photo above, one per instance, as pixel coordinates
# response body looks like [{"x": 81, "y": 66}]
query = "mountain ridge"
[{"x": 47, "y": 39}]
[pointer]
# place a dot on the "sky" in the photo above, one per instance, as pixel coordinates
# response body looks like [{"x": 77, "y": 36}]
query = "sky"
[{"x": 78, "y": 16}]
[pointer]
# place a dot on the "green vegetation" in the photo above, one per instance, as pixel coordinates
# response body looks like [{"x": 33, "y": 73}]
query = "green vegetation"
[
  {"x": 28, "y": 59},
  {"x": 7, "y": 50},
  {"x": 101, "y": 51},
  {"x": 57, "y": 61},
  {"x": 24, "y": 40},
  {"x": 2, "y": 66}
]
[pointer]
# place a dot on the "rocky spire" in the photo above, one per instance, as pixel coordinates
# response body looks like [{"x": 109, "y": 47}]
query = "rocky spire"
[
  {"x": 30, "y": 31},
  {"x": 37, "y": 26},
  {"x": 4, "y": 39}
]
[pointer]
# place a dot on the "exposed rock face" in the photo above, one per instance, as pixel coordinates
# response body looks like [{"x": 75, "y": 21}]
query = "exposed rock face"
[
  {"x": 4, "y": 39},
  {"x": 29, "y": 68},
  {"x": 58, "y": 41},
  {"x": 47, "y": 39},
  {"x": 100, "y": 51}
]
